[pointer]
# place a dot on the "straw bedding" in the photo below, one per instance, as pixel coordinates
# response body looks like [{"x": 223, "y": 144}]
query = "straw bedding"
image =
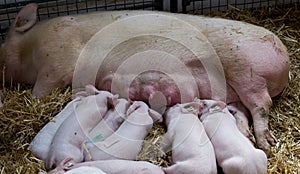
[{"x": 23, "y": 116}]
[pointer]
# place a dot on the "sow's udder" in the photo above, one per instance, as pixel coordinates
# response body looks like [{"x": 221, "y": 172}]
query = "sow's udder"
[{"x": 153, "y": 87}]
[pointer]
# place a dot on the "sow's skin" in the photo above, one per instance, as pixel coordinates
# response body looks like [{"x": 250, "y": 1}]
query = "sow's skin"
[
  {"x": 127, "y": 141},
  {"x": 71, "y": 134},
  {"x": 192, "y": 151},
  {"x": 234, "y": 152},
  {"x": 254, "y": 60}
]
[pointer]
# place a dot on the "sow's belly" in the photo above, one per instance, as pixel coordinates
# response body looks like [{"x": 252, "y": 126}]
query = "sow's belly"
[
  {"x": 159, "y": 71},
  {"x": 159, "y": 89}
]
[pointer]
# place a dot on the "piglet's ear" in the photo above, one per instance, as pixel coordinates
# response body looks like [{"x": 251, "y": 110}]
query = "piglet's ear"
[
  {"x": 91, "y": 90},
  {"x": 132, "y": 108},
  {"x": 26, "y": 18},
  {"x": 192, "y": 107},
  {"x": 112, "y": 101},
  {"x": 81, "y": 94},
  {"x": 67, "y": 163}
]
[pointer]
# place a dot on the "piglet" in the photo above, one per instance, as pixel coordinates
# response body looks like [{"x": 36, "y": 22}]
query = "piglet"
[
  {"x": 70, "y": 136},
  {"x": 111, "y": 122},
  {"x": 111, "y": 167},
  {"x": 192, "y": 151},
  {"x": 79, "y": 170},
  {"x": 234, "y": 152},
  {"x": 86, "y": 170},
  {"x": 127, "y": 141},
  {"x": 40, "y": 145}
]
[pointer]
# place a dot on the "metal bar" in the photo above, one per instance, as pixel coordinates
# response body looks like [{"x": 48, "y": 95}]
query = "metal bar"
[
  {"x": 173, "y": 6},
  {"x": 184, "y": 4}
]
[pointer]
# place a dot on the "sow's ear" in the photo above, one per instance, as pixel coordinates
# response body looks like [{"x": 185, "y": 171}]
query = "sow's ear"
[{"x": 26, "y": 18}]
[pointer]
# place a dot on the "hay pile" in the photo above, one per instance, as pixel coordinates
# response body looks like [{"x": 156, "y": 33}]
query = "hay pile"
[
  {"x": 20, "y": 119},
  {"x": 22, "y": 116}
]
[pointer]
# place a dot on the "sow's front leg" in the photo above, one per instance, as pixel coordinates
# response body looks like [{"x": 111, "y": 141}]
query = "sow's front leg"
[{"x": 48, "y": 80}]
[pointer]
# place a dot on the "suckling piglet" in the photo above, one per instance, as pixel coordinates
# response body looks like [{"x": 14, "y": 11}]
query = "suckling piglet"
[
  {"x": 69, "y": 138},
  {"x": 192, "y": 151}
]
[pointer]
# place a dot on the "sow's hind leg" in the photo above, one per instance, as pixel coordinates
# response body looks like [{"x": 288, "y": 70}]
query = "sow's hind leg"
[
  {"x": 259, "y": 74},
  {"x": 253, "y": 93}
]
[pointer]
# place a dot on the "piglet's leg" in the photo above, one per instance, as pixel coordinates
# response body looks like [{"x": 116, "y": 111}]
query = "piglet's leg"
[
  {"x": 86, "y": 169},
  {"x": 242, "y": 117},
  {"x": 122, "y": 166}
]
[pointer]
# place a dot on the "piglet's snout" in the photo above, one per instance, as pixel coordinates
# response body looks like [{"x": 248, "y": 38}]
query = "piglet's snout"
[{"x": 144, "y": 115}]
